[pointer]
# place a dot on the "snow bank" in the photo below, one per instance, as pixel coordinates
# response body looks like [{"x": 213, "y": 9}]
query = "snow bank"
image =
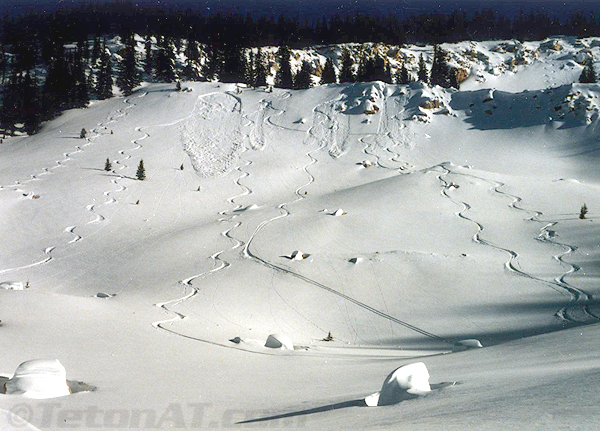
[
  {"x": 39, "y": 379},
  {"x": 279, "y": 341},
  {"x": 339, "y": 212},
  {"x": 402, "y": 383}
]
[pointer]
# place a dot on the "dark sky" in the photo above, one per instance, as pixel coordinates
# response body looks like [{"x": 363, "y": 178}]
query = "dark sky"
[{"x": 312, "y": 9}]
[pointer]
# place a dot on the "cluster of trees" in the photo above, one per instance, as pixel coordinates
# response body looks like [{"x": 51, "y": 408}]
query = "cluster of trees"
[
  {"x": 53, "y": 62},
  {"x": 248, "y": 30}
]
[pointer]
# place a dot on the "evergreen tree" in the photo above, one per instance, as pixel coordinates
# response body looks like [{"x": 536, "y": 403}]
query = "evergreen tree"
[
  {"x": 128, "y": 77},
  {"x": 283, "y": 77},
  {"x": 328, "y": 76},
  {"x": 588, "y": 75},
  {"x": 80, "y": 97},
  {"x": 105, "y": 78},
  {"x": 96, "y": 50},
  {"x": 83, "y": 133},
  {"x": 141, "y": 172},
  {"x": 402, "y": 76},
  {"x": 441, "y": 73},
  {"x": 234, "y": 64},
  {"x": 423, "y": 74},
  {"x": 107, "y": 165},
  {"x": 191, "y": 70},
  {"x": 303, "y": 79},
  {"x": 347, "y": 73},
  {"x": 148, "y": 63},
  {"x": 165, "y": 61},
  {"x": 32, "y": 117},
  {"x": 260, "y": 68},
  {"x": 250, "y": 70}
]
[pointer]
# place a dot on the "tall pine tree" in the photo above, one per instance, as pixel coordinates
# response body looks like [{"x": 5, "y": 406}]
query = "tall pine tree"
[
  {"x": 347, "y": 72},
  {"x": 441, "y": 73},
  {"x": 105, "y": 78},
  {"x": 128, "y": 77},
  {"x": 423, "y": 74},
  {"x": 283, "y": 77},
  {"x": 260, "y": 69}
]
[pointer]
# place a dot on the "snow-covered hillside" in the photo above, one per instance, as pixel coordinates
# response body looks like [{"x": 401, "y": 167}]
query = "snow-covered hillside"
[{"x": 288, "y": 250}]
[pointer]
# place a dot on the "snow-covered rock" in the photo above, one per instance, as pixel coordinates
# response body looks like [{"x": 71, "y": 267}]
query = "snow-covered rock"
[
  {"x": 279, "y": 341},
  {"x": 403, "y": 383},
  {"x": 338, "y": 212},
  {"x": 39, "y": 379},
  {"x": 298, "y": 255}
]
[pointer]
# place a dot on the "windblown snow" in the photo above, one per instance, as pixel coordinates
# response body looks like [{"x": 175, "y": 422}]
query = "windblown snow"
[{"x": 460, "y": 228}]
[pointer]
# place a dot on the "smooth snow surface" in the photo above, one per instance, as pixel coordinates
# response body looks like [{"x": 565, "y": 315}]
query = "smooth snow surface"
[
  {"x": 464, "y": 226},
  {"x": 39, "y": 379}
]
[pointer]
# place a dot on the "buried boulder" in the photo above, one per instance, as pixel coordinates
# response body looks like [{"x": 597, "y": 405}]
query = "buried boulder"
[
  {"x": 403, "y": 383},
  {"x": 279, "y": 341},
  {"x": 39, "y": 379}
]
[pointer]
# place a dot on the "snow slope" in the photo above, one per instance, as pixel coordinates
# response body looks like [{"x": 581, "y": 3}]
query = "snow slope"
[{"x": 163, "y": 293}]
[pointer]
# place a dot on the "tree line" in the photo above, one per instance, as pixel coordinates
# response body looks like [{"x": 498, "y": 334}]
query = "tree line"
[{"x": 53, "y": 62}]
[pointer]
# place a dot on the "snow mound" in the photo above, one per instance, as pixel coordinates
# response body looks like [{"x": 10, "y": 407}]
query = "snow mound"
[
  {"x": 12, "y": 285},
  {"x": 403, "y": 383},
  {"x": 279, "y": 341},
  {"x": 339, "y": 212},
  {"x": 356, "y": 260},
  {"x": 463, "y": 345},
  {"x": 39, "y": 379},
  {"x": 366, "y": 164}
]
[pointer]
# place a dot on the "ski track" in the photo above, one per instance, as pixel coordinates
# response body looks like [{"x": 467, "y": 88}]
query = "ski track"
[
  {"x": 579, "y": 299},
  {"x": 62, "y": 163},
  {"x": 226, "y": 216},
  {"x": 314, "y": 133},
  {"x": 388, "y": 137}
]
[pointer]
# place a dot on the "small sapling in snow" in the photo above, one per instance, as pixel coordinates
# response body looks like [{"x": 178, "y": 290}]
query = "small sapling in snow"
[
  {"x": 107, "y": 165},
  {"x": 583, "y": 211},
  {"x": 141, "y": 172}
]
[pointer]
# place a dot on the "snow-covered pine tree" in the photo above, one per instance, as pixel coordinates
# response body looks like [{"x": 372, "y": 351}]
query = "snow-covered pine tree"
[
  {"x": 423, "y": 74},
  {"x": 107, "y": 165},
  {"x": 303, "y": 78},
  {"x": 141, "y": 171},
  {"x": 588, "y": 75},
  {"x": 283, "y": 77},
  {"x": 328, "y": 76},
  {"x": 128, "y": 77}
]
